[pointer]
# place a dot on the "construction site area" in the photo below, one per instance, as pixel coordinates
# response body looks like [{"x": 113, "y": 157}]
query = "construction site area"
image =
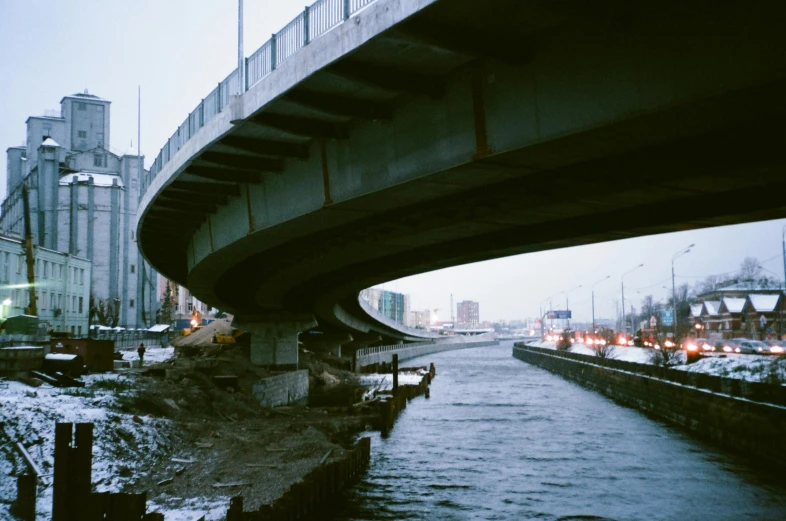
[{"x": 189, "y": 429}]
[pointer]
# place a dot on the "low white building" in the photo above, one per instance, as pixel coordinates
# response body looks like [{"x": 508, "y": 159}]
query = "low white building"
[{"x": 62, "y": 283}]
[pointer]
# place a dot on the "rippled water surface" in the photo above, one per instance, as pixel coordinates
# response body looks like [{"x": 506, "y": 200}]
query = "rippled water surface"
[{"x": 500, "y": 439}]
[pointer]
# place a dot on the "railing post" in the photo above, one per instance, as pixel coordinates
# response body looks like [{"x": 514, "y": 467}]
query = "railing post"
[
  {"x": 202, "y": 113},
  {"x": 346, "y": 9},
  {"x": 245, "y": 74},
  {"x": 306, "y": 26},
  {"x": 218, "y": 98},
  {"x": 273, "y": 52}
]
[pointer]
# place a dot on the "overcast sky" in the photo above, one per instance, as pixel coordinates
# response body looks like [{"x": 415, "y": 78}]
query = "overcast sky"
[{"x": 178, "y": 50}]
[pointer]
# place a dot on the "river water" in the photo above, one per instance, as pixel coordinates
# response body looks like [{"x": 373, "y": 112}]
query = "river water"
[{"x": 501, "y": 439}]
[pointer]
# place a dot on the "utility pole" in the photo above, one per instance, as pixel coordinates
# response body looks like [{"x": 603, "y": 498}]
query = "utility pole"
[
  {"x": 622, "y": 285},
  {"x": 674, "y": 287},
  {"x": 241, "y": 83},
  {"x": 593, "y": 300}
]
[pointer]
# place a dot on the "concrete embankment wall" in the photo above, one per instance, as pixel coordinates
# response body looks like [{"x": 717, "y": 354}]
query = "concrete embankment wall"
[
  {"x": 751, "y": 428},
  {"x": 283, "y": 389},
  {"x": 384, "y": 354}
]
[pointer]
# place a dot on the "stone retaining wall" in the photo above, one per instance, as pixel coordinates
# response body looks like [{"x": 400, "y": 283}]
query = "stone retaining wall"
[
  {"x": 385, "y": 356},
  {"x": 283, "y": 389},
  {"x": 754, "y": 429}
]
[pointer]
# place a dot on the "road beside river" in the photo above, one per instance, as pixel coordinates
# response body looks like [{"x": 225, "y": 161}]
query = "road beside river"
[{"x": 502, "y": 440}]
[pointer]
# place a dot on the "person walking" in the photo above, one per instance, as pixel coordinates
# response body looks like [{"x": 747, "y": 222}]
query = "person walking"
[{"x": 141, "y": 352}]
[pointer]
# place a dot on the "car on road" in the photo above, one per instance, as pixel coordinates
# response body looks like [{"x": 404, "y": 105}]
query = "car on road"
[
  {"x": 777, "y": 347},
  {"x": 697, "y": 345},
  {"x": 746, "y": 346}
]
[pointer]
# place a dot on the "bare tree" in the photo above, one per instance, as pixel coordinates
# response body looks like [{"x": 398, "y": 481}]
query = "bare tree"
[
  {"x": 604, "y": 350},
  {"x": 750, "y": 269}
]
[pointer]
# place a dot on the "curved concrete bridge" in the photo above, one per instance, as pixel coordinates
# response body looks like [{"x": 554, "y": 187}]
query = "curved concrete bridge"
[{"x": 374, "y": 140}]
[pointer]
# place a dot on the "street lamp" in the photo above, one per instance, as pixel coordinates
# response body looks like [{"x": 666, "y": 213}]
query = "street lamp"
[
  {"x": 783, "y": 243},
  {"x": 622, "y": 285},
  {"x": 593, "y": 300},
  {"x": 674, "y": 287},
  {"x": 567, "y": 305}
]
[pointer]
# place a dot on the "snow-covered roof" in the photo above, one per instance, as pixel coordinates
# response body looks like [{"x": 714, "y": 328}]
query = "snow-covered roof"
[
  {"x": 85, "y": 96},
  {"x": 733, "y": 304},
  {"x": 159, "y": 328},
  {"x": 98, "y": 179},
  {"x": 695, "y": 310},
  {"x": 49, "y": 142},
  {"x": 711, "y": 307},
  {"x": 764, "y": 303}
]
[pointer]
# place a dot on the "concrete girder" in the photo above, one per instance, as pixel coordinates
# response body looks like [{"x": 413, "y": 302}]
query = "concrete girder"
[
  {"x": 299, "y": 126},
  {"x": 215, "y": 188},
  {"x": 341, "y": 105},
  {"x": 497, "y": 45},
  {"x": 326, "y": 342},
  {"x": 266, "y": 147},
  {"x": 225, "y": 175},
  {"x": 182, "y": 195},
  {"x": 388, "y": 78},
  {"x": 244, "y": 162},
  {"x": 274, "y": 337},
  {"x": 177, "y": 204}
]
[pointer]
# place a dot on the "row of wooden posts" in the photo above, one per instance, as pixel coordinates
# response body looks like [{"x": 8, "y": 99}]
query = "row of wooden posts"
[
  {"x": 72, "y": 496},
  {"x": 392, "y": 407},
  {"x": 305, "y": 499}
]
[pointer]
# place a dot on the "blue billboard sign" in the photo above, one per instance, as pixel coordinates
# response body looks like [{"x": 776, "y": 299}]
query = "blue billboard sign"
[
  {"x": 667, "y": 317},
  {"x": 559, "y": 314}
]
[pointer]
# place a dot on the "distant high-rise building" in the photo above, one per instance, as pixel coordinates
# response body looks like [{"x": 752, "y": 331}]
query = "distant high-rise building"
[
  {"x": 83, "y": 202},
  {"x": 389, "y": 303},
  {"x": 468, "y": 314}
]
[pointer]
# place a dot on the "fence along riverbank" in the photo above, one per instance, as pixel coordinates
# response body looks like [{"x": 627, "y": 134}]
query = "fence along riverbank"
[{"x": 739, "y": 424}]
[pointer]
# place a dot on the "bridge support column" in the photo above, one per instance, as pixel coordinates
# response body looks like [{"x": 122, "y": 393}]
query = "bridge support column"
[
  {"x": 274, "y": 339},
  {"x": 326, "y": 342}
]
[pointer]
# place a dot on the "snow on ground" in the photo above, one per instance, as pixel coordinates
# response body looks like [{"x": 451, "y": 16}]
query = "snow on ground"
[
  {"x": 194, "y": 509},
  {"x": 124, "y": 445},
  {"x": 152, "y": 354},
  {"x": 384, "y": 382},
  {"x": 752, "y": 368}
]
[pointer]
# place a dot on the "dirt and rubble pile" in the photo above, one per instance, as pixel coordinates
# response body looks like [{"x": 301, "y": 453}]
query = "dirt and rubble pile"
[{"x": 204, "y": 336}]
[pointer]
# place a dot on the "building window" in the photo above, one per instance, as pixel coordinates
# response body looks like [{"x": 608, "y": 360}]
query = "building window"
[
  {"x": 81, "y": 106},
  {"x": 79, "y": 331},
  {"x": 133, "y": 268},
  {"x": 131, "y": 303},
  {"x": 43, "y": 300},
  {"x": 52, "y": 300},
  {"x": 81, "y": 300},
  {"x": 98, "y": 160},
  {"x": 73, "y": 303},
  {"x": 72, "y": 330},
  {"x": 19, "y": 263},
  {"x": 60, "y": 272},
  {"x": 82, "y": 133},
  {"x": 82, "y": 277}
]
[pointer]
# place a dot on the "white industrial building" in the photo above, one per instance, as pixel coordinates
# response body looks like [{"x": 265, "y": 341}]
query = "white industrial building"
[
  {"x": 83, "y": 202},
  {"x": 62, "y": 283}
]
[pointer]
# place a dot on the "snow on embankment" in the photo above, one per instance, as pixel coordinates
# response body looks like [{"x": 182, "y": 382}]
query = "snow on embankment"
[{"x": 752, "y": 368}]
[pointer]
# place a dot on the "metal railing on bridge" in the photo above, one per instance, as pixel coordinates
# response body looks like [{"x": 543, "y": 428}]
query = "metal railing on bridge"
[
  {"x": 316, "y": 20},
  {"x": 393, "y": 347}
]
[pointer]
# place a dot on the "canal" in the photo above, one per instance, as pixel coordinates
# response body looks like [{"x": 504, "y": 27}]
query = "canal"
[{"x": 500, "y": 439}]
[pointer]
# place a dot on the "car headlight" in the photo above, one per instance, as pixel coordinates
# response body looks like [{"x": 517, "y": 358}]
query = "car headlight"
[
  {"x": 737, "y": 350},
  {"x": 692, "y": 347},
  {"x": 726, "y": 349},
  {"x": 776, "y": 350}
]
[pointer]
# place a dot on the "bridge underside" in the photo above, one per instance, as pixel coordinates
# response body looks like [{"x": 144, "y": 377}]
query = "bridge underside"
[{"x": 474, "y": 130}]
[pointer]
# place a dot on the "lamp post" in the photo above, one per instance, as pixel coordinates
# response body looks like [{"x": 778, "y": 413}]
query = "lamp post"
[
  {"x": 622, "y": 286},
  {"x": 674, "y": 287},
  {"x": 593, "y": 300},
  {"x": 567, "y": 305}
]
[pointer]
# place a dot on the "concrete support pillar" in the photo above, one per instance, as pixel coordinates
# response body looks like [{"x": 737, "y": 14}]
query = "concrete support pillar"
[
  {"x": 325, "y": 342},
  {"x": 274, "y": 338},
  {"x": 73, "y": 243},
  {"x": 114, "y": 246},
  {"x": 91, "y": 205}
]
